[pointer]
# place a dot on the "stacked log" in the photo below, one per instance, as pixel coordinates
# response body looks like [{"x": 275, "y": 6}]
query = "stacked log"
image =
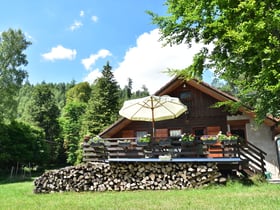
[{"x": 96, "y": 176}]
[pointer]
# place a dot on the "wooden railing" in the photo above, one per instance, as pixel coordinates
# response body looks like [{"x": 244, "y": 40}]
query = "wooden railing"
[
  {"x": 93, "y": 153},
  {"x": 253, "y": 156},
  {"x": 112, "y": 148}
]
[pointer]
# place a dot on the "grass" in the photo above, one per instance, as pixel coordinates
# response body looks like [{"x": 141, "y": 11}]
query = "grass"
[{"x": 235, "y": 195}]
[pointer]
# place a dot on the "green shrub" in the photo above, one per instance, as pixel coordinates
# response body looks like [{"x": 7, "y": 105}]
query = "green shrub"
[{"x": 22, "y": 143}]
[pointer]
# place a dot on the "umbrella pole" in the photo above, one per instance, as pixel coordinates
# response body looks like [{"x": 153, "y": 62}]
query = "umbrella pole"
[
  {"x": 153, "y": 120},
  {"x": 154, "y": 131}
]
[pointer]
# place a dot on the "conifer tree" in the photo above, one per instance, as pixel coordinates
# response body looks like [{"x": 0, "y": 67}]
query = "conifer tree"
[{"x": 103, "y": 106}]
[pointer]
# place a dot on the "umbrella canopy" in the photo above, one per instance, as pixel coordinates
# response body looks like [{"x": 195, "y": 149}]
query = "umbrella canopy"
[{"x": 153, "y": 108}]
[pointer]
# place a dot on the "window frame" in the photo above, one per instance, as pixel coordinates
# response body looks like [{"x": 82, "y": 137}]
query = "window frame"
[{"x": 179, "y": 130}]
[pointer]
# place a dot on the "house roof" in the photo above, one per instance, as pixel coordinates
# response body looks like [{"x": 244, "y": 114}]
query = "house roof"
[{"x": 200, "y": 85}]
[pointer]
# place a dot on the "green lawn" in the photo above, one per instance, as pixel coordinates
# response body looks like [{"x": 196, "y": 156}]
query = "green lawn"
[{"x": 233, "y": 196}]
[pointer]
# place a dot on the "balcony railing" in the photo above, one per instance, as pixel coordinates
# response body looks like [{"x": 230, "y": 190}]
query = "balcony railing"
[
  {"x": 129, "y": 148},
  {"x": 250, "y": 157}
]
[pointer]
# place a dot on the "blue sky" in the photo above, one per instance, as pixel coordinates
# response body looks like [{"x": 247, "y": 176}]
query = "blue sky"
[{"x": 73, "y": 40}]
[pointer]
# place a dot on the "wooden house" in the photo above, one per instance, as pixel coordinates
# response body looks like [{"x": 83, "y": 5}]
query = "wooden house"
[{"x": 202, "y": 119}]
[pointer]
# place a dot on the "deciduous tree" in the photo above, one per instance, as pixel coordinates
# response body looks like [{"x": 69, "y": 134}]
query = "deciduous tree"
[
  {"x": 12, "y": 60},
  {"x": 71, "y": 120},
  {"x": 80, "y": 92},
  {"x": 22, "y": 143},
  {"x": 44, "y": 112},
  {"x": 246, "y": 39}
]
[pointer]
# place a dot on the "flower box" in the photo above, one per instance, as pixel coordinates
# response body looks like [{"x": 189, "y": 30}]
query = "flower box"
[
  {"x": 187, "y": 143},
  {"x": 164, "y": 143},
  {"x": 175, "y": 142},
  {"x": 142, "y": 144},
  {"x": 209, "y": 141}
]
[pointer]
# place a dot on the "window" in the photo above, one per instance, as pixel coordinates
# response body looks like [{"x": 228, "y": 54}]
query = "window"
[
  {"x": 186, "y": 95},
  {"x": 175, "y": 132},
  {"x": 238, "y": 127},
  {"x": 140, "y": 134},
  {"x": 241, "y": 132},
  {"x": 186, "y": 98}
]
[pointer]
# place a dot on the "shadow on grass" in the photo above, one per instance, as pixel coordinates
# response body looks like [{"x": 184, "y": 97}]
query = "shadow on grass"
[
  {"x": 9, "y": 180},
  {"x": 257, "y": 179},
  {"x": 246, "y": 181},
  {"x": 9, "y": 176}
]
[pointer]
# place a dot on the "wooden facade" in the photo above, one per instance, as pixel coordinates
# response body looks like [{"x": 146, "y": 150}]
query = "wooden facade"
[{"x": 200, "y": 119}]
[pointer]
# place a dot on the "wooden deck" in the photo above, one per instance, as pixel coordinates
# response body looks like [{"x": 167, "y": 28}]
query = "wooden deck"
[
  {"x": 227, "y": 155},
  {"x": 177, "y": 160}
]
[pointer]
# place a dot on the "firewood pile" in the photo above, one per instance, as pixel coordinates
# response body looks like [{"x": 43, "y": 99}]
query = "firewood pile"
[{"x": 96, "y": 176}]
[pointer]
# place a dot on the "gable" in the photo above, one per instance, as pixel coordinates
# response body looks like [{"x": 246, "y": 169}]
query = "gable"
[
  {"x": 199, "y": 103},
  {"x": 198, "y": 96}
]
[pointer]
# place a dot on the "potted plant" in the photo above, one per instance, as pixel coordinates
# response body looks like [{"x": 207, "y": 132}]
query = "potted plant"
[
  {"x": 228, "y": 138},
  {"x": 187, "y": 139},
  {"x": 87, "y": 138},
  {"x": 144, "y": 140},
  {"x": 221, "y": 137},
  {"x": 96, "y": 141}
]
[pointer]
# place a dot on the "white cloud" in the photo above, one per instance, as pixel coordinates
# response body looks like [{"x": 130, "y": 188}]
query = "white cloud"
[
  {"x": 92, "y": 76},
  {"x": 76, "y": 25},
  {"x": 94, "y": 18},
  {"x": 82, "y": 13},
  {"x": 60, "y": 53},
  {"x": 145, "y": 62},
  {"x": 90, "y": 61}
]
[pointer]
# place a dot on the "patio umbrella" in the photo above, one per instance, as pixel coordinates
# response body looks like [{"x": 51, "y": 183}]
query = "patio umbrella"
[{"x": 153, "y": 108}]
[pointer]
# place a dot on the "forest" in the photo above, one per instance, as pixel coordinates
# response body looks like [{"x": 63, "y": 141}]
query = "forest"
[{"x": 44, "y": 124}]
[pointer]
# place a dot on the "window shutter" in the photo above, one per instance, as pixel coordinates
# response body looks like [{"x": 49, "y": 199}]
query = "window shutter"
[
  {"x": 162, "y": 133},
  {"x": 213, "y": 130}
]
